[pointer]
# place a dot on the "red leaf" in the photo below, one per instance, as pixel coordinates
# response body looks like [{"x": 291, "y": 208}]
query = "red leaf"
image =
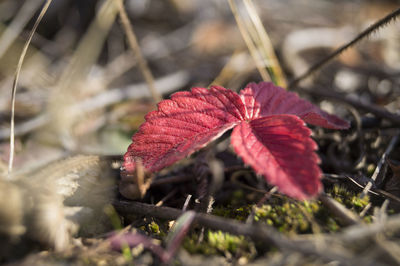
[
  {"x": 280, "y": 148},
  {"x": 270, "y": 136},
  {"x": 265, "y": 99},
  {"x": 182, "y": 125}
]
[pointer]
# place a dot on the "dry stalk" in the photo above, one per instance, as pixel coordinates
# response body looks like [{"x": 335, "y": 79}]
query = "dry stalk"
[
  {"x": 265, "y": 45},
  {"x": 15, "y": 83},
  {"x": 247, "y": 39},
  {"x": 133, "y": 43},
  {"x": 367, "y": 32},
  {"x": 258, "y": 43}
]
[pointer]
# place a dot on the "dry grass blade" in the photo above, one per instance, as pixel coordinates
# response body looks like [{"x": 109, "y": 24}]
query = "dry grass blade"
[
  {"x": 266, "y": 46},
  {"x": 258, "y": 43},
  {"x": 15, "y": 83},
  {"x": 144, "y": 68},
  {"x": 367, "y": 32},
  {"x": 250, "y": 45}
]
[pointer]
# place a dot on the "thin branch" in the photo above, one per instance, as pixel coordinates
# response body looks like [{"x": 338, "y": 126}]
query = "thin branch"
[
  {"x": 367, "y": 32},
  {"x": 15, "y": 83},
  {"x": 132, "y": 40}
]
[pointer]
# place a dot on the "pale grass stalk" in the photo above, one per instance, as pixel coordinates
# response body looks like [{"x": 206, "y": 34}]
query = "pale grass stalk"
[
  {"x": 15, "y": 83},
  {"x": 265, "y": 45},
  {"x": 133, "y": 43},
  {"x": 247, "y": 39}
]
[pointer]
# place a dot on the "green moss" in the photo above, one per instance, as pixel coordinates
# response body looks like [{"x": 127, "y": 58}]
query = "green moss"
[
  {"x": 225, "y": 242},
  {"x": 370, "y": 169},
  {"x": 350, "y": 199},
  {"x": 218, "y": 242},
  {"x": 154, "y": 228},
  {"x": 285, "y": 214},
  {"x": 190, "y": 243},
  {"x": 240, "y": 213}
]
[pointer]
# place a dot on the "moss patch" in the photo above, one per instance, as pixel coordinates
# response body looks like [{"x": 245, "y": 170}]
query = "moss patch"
[{"x": 218, "y": 242}]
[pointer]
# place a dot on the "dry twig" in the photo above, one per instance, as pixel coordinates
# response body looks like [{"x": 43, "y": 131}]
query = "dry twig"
[{"x": 136, "y": 49}]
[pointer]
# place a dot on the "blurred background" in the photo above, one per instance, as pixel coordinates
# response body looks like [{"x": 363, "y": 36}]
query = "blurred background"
[{"x": 81, "y": 90}]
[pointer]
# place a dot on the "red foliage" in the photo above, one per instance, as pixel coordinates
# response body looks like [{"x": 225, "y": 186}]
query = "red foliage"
[
  {"x": 280, "y": 148},
  {"x": 270, "y": 134}
]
